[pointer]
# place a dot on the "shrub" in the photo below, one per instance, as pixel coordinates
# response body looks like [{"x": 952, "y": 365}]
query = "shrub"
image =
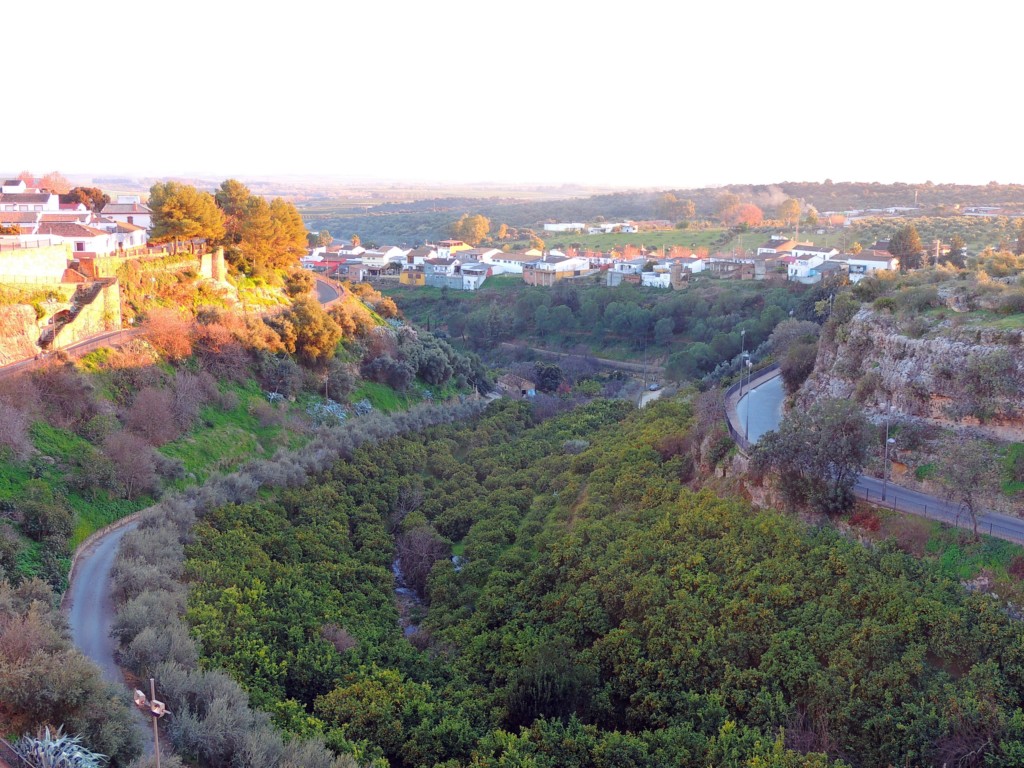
[
  {"x": 866, "y": 519},
  {"x": 1016, "y": 568}
]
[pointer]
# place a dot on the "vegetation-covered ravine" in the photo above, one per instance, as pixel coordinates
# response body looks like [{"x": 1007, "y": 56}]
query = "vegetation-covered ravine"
[{"x": 602, "y": 612}]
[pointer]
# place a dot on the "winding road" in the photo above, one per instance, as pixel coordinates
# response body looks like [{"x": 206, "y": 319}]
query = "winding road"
[
  {"x": 87, "y": 603},
  {"x": 765, "y": 401}
]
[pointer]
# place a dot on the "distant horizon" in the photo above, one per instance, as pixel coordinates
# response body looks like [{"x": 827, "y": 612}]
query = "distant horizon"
[{"x": 325, "y": 179}]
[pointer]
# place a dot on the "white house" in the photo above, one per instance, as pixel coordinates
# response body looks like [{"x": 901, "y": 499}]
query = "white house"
[
  {"x": 81, "y": 238},
  {"x": 473, "y": 275},
  {"x": 503, "y": 263},
  {"x": 419, "y": 255},
  {"x": 867, "y": 263},
  {"x": 351, "y": 250},
  {"x": 656, "y": 279},
  {"x": 631, "y": 267},
  {"x": 440, "y": 266},
  {"x": 29, "y": 201},
  {"x": 805, "y": 251},
  {"x": 129, "y": 209},
  {"x": 573, "y": 226},
  {"x": 777, "y": 244}
]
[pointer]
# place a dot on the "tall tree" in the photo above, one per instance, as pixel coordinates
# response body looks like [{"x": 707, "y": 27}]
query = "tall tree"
[
  {"x": 957, "y": 255},
  {"x": 906, "y": 245},
  {"x": 55, "y": 182},
  {"x": 817, "y": 454},
  {"x": 969, "y": 471},
  {"x": 93, "y": 197},
  {"x": 289, "y": 233},
  {"x": 789, "y": 211},
  {"x": 181, "y": 212},
  {"x": 232, "y": 198},
  {"x": 471, "y": 229}
]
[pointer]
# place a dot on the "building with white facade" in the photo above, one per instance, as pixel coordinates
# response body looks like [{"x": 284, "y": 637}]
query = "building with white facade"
[{"x": 129, "y": 209}]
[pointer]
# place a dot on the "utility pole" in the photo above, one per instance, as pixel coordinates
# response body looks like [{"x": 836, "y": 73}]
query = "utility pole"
[
  {"x": 156, "y": 709},
  {"x": 888, "y": 441}
]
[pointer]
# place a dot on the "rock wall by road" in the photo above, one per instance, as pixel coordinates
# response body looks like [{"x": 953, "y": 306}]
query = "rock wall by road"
[
  {"x": 958, "y": 376},
  {"x": 19, "y": 332}
]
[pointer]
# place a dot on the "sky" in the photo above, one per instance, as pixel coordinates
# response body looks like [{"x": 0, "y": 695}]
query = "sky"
[{"x": 640, "y": 94}]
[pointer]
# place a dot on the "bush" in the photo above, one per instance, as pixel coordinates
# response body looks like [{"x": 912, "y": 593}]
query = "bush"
[{"x": 866, "y": 519}]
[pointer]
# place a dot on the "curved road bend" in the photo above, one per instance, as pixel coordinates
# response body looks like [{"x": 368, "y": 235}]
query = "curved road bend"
[
  {"x": 765, "y": 401},
  {"x": 89, "y": 607},
  {"x": 90, "y": 611}
]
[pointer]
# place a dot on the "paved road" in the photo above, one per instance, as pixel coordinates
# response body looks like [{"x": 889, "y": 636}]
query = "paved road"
[
  {"x": 325, "y": 292},
  {"x": 90, "y": 611},
  {"x": 934, "y": 508},
  {"x": 765, "y": 402},
  {"x": 759, "y": 410},
  {"x": 90, "y": 608}
]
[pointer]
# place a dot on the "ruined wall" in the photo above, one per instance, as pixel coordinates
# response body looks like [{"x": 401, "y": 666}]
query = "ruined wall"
[
  {"x": 212, "y": 267},
  {"x": 964, "y": 377},
  {"x": 102, "y": 313}
]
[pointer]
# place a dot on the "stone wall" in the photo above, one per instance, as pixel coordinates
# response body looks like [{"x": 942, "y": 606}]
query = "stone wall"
[
  {"x": 101, "y": 314},
  {"x": 34, "y": 265}
]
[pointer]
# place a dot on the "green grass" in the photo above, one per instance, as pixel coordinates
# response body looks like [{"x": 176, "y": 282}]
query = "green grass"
[
  {"x": 925, "y": 471},
  {"x": 1014, "y": 455},
  {"x": 91, "y": 515},
  {"x": 961, "y": 559},
  {"x": 225, "y": 439},
  {"x": 383, "y": 397}
]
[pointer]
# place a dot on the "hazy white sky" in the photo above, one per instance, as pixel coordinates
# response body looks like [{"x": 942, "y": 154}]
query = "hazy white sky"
[{"x": 637, "y": 93}]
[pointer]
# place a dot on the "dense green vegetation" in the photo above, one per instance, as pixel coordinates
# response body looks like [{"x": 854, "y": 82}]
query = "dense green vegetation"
[
  {"x": 691, "y": 331},
  {"x": 601, "y": 614}
]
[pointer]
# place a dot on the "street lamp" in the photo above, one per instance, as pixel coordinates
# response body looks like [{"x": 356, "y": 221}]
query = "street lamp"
[
  {"x": 156, "y": 709},
  {"x": 885, "y": 469},
  {"x": 743, "y": 340}
]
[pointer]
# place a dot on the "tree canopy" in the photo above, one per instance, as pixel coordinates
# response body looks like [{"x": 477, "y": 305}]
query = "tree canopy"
[
  {"x": 906, "y": 245},
  {"x": 471, "y": 229},
  {"x": 182, "y": 212}
]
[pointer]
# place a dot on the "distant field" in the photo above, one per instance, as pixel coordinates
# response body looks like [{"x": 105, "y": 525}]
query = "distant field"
[{"x": 712, "y": 239}]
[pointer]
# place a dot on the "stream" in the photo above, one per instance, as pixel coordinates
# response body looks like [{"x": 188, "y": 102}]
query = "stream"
[{"x": 410, "y": 607}]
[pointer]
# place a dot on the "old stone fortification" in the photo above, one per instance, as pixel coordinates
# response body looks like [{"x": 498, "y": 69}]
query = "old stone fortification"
[
  {"x": 209, "y": 265},
  {"x": 98, "y": 309},
  {"x": 31, "y": 266},
  {"x": 18, "y": 333},
  {"x": 966, "y": 377}
]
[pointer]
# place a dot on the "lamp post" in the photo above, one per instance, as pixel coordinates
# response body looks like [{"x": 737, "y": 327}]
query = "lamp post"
[
  {"x": 885, "y": 461},
  {"x": 885, "y": 469},
  {"x": 743, "y": 341},
  {"x": 156, "y": 709}
]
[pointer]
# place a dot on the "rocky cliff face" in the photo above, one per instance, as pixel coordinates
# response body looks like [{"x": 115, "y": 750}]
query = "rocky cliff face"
[
  {"x": 959, "y": 376},
  {"x": 18, "y": 333}
]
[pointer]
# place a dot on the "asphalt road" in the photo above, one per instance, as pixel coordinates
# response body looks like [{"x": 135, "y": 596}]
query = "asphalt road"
[
  {"x": 765, "y": 403},
  {"x": 325, "y": 292},
  {"x": 90, "y": 608}
]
